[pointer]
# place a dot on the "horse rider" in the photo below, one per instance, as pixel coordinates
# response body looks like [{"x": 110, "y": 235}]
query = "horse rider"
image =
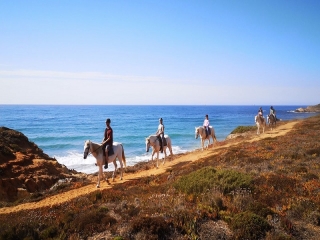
[
  {"x": 206, "y": 124},
  {"x": 107, "y": 142},
  {"x": 273, "y": 112},
  {"x": 260, "y": 113},
  {"x": 160, "y": 134}
]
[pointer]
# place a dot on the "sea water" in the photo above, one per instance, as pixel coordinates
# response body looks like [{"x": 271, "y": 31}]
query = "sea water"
[{"x": 61, "y": 130}]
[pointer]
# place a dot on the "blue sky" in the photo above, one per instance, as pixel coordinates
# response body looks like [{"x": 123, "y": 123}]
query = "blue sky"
[{"x": 160, "y": 52}]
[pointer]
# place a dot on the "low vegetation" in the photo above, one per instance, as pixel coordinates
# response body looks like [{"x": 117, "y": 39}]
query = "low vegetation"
[
  {"x": 262, "y": 190},
  {"x": 243, "y": 129}
]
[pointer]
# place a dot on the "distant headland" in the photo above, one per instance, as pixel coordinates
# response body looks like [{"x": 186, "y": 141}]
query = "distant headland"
[{"x": 315, "y": 108}]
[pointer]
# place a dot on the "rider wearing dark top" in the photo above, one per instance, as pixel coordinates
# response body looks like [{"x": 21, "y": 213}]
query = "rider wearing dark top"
[
  {"x": 273, "y": 112},
  {"x": 107, "y": 141}
]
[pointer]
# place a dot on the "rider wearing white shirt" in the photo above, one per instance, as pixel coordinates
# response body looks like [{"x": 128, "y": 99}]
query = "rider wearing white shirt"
[{"x": 160, "y": 134}]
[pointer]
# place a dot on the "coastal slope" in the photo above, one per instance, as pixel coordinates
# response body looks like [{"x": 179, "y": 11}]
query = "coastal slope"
[
  {"x": 254, "y": 187},
  {"x": 52, "y": 169},
  {"x": 25, "y": 169}
]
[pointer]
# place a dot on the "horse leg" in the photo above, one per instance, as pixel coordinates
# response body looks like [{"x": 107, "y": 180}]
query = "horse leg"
[
  {"x": 121, "y": 169},
  {"x": 165, "y": 154},
  {"x": 115, "y": 169},
  {"x": 158, "y": 159},
  {"x": 153, "y": 152},
  {"x": 170, "y": 149},
  {"x": 100, "y": 174}
]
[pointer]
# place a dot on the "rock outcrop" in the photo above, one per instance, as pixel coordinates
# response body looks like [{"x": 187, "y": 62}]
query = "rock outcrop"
[
  {"x": 315, "y": 108},
  {"x": 24, "y": 167}
]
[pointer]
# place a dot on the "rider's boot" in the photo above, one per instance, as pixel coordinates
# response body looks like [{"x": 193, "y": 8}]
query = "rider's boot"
[
  {"x": 106, "y": 163},
  {"x": 161, "y": 144}
]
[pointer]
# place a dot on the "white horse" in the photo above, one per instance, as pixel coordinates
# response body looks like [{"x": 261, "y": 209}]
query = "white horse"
[
  {"x": 96, "y": 150},
  {"x": 261, "y": 122},
  {"x": 153, "y": 141},
  {"x": 200, "y": 131}
]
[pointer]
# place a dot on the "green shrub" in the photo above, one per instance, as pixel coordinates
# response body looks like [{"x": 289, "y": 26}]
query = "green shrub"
[
  {"x": 248, "y": 225},
  {"x": 243, "y": 129},
  {"x": 260, "y": 209},
  {"x": 207, "y": 178},
  {"x": 118, "y": 238}
]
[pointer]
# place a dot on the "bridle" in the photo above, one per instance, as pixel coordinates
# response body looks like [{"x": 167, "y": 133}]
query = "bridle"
[
  {"x": 197, "y": 133},
  {"x": 148, "y": 144},
  {"x": 87, "y": 149}
]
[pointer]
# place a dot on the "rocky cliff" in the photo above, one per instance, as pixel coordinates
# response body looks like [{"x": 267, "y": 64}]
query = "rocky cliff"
[
  {"x": 315, "y": 108},
  {"x": 24, "y": 167}
]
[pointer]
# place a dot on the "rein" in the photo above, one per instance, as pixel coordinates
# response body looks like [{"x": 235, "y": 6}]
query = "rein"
[{"x": 93, "y": 150}]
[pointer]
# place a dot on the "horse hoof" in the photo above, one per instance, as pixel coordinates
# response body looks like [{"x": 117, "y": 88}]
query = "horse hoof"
[{"x": 98, "y": 186}]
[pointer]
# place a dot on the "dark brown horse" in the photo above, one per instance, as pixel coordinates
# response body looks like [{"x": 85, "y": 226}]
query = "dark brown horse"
[{"x": 272, "y": 120}]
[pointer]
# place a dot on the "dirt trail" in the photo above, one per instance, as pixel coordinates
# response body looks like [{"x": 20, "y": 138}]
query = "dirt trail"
[{"x": 191, "y": 156}]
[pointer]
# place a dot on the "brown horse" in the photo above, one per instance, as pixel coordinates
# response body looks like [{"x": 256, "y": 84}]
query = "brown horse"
[{"x": 261, "y": 122}]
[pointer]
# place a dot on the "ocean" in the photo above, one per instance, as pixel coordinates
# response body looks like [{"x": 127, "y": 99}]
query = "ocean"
[{"x": 61, "y": 130}]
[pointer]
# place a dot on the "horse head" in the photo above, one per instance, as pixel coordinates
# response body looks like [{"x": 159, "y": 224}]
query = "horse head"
[
  {"x": 86, "y": 148},
  {"x": 197, "y": 132},
  {"x": 147, "y": 144}
]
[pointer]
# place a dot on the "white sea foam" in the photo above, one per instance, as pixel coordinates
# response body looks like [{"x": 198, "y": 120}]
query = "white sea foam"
[{"x": 74, "y": 160}]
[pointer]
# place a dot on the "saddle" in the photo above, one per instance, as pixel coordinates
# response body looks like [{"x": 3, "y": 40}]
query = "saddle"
[
  {"x": 261, "y": 118},
  {"x": 110, "y": 151},
  {"x": 163, "y": 140}
]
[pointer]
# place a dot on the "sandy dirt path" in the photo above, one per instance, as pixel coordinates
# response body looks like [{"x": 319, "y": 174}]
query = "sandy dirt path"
[{"x": 188, "y": 157}]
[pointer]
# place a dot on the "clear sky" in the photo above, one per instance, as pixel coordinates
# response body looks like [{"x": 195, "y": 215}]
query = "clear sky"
[{"x": 160, "y": 52}]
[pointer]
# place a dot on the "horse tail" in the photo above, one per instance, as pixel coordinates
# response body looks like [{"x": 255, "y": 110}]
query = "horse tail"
[{"x": 123, "y": 157}]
